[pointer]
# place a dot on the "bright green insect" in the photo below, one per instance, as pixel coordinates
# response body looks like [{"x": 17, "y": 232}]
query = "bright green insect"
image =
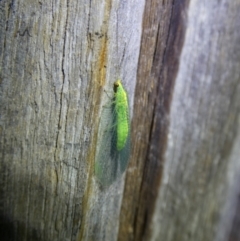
[
  {"x": 122, "y": 111},
  {"x": 113, "y": 148}
]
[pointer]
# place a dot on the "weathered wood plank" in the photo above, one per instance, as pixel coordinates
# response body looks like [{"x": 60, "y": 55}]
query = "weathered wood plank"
[
  {"x": 56, "y": 59},
  {"x": 195, "y": 126},
  {"x": 202, "y": 158}
]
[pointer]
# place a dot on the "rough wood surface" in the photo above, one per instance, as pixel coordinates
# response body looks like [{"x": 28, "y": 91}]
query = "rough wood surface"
[
  {"x": 202, "y": 162},
  {"x": 56, "y": 60},
  {"x": 187, "y": 188},
  {"x": 57, "y": 57}
]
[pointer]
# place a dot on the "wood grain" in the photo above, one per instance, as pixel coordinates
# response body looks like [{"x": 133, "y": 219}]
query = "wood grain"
[
  {"x": 57, "y": 57},
  {"x": 179, "y": 62}
]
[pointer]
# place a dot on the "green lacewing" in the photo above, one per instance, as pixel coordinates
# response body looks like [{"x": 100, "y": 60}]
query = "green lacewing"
[
  {"x": 122, "y": 112},
  {"x": 113, "y": 147}
]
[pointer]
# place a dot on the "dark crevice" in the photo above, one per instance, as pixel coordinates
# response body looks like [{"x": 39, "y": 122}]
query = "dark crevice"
[
  {"x": 56, "y": 161},
  {"x": 89, "y": 34},
  {"x": 26, "y": 31},
  {"x": 61, "y": 94},
  {"x": 135, "y": 221},
  {"x": 155, "y": 48}
]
